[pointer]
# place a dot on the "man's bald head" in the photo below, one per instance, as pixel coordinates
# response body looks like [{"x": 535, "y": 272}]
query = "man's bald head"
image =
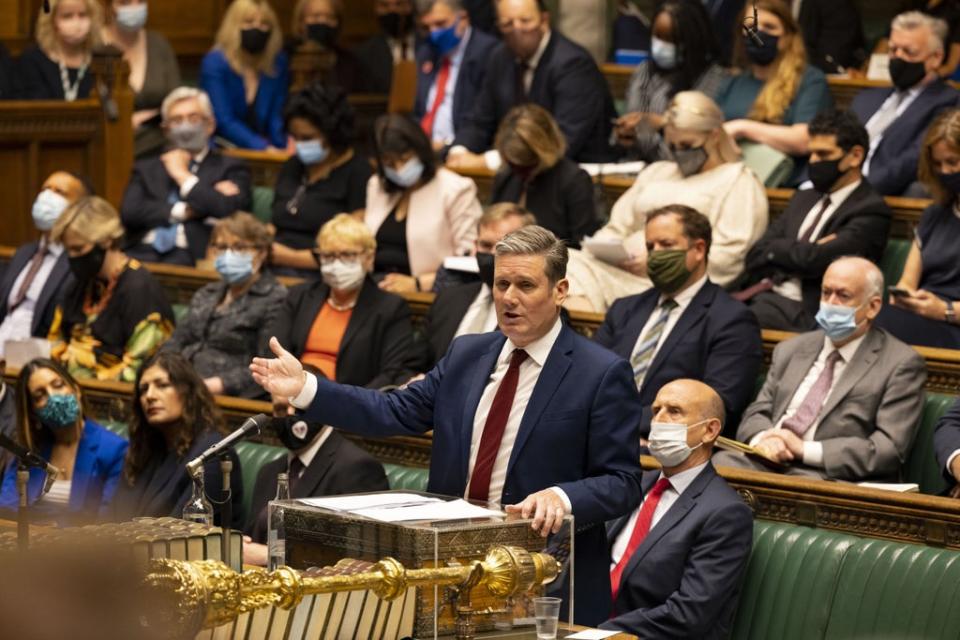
[{"x": 702, "y": 401}]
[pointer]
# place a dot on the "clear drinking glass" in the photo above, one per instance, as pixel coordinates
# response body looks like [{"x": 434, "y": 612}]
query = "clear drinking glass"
[{"x": 547, "y": 613}]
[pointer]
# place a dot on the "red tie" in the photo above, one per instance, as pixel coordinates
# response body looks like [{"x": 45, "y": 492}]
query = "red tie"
[
  {"x": 442, "y": 76},
  {"x": 494, "y": 427},
  {"x": 640, "y": 531}
]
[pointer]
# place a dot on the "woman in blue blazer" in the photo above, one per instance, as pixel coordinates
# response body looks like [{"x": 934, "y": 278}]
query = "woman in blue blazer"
[
  {"x": 246, "y": 75},
  {"x": 50, "y": 422}
]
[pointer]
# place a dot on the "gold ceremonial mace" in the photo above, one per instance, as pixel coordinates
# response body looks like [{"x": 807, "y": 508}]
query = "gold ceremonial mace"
[{"x": 190, "y": 596}]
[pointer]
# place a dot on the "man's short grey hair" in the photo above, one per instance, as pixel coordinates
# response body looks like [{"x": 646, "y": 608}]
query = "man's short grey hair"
[
  {"x": 537, "y": 241},
  {"x": 916, "y": 20},
  {"x": 873, "y": 277},
  {"x": 186, "y": 93},
  {"x": 424, "y": 6}
]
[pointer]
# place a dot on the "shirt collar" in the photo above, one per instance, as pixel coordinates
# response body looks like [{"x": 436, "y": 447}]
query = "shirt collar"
[
  {"x": 458, "y": 51},
  {"x": 684, "y": 297},
  {"x": 680, "y": 482},
  {"x": 847, "y": 351},
  {"x": 54, "y": 249},
  {"x": 200, "y": 157},
  {"x": 837, "y": 197},
  {"x": 307, "y": 455},
  {"x": 539, "y": 349},
  {"x": 535, "y": 58}
]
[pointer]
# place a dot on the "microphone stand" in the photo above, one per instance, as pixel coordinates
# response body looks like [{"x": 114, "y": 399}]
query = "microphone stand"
[
  {"x": 23, "y": 507},
  {"x": 226, "y": 507}
]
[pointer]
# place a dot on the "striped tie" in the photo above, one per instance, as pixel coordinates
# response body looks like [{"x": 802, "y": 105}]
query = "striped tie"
[{"x": 647, "y": 348}]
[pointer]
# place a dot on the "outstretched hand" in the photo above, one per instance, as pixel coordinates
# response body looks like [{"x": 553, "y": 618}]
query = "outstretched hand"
[{"x": 281, "y": 376}]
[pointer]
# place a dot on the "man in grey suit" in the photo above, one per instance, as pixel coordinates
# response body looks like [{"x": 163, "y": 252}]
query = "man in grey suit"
[{"x": 842, "y": 402}]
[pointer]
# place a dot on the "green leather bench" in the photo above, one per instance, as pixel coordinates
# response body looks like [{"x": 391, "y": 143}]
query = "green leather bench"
[
  {"x": 253, "y": 457},
  {"x": 408, "y": 478},
  {"x": 921, "y": 465},
  {"x": 894, "y": 259},
  {"x": 262, "y": 204}
]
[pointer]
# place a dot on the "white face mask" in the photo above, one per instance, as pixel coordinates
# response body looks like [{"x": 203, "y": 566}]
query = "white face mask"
[
  {"x": 343, "y": 276},
  {"x": 668, "y": 442},
  {"x": 47, "y": 208}
]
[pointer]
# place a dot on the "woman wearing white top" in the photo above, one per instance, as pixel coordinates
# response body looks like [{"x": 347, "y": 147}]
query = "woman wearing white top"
[
  {"x": 419, "y": 213},
  {"x": 705, "y": 174}
]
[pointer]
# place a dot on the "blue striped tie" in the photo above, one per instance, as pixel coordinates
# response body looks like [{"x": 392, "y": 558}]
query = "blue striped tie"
[{"x": 643, "y": 356}]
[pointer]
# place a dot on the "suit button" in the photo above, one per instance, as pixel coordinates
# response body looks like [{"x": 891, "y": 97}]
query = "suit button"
[{"x": 770, "y": 256}]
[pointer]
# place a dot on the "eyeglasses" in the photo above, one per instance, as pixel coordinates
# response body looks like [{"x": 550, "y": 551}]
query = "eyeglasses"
[
  {"x": 239, "y": 247},
  {"x": 333, "y": 256}
]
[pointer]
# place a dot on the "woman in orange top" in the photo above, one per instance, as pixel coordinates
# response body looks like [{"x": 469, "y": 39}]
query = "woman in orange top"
[{"x": 345, "y": 325}]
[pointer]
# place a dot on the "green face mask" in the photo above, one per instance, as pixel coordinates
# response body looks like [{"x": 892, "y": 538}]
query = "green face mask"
[{"x": 667, "y": 269}]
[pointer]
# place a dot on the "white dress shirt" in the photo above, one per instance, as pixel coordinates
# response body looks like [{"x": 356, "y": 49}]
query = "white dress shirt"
[
  {"x": 683, "y": 301},
  {"x": 443, "y": 120},
  {"x": 906, "y": 99},
  {"x": 18, "y": 324},
  {"x": 537, "y": 352},
  {"x": 813, "y": 450},
  {"x": 793, "y": 288},
  {"x": 679, "y": 483},
  {"x": 59, "y": 493},
  {"x": 397, "y": 49},
  {"x": 481, "y": 316},
  {"x": 307, "y": 455},
  {"x": 178, "y": 213}
]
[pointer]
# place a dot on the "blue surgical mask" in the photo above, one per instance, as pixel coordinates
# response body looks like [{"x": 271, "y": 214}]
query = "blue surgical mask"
[
  {"x": 60, "y": 412},
  {"x": 837, "y": 321},
  {"x": 311, "y": 151},
  {"x": 407, "y": 175},
  {"x": 132, "y": 18},
  {"x": 446, "y": 40},
  {"x": 234, "y": 266},
  {"x": 47, "y": 209},
  {"x": 664, "y": 53}
]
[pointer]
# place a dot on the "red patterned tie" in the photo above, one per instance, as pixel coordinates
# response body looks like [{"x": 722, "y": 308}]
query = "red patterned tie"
[
  {"x": 640, "y": 531},
  {"x": 442, "y": 76},
  {"x": 493, "y": 429}
]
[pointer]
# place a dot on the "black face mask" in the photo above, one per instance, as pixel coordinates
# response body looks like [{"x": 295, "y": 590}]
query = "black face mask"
[
  {"x": 523, "y": 171},
  {"x": 254, "y": 41},
  {"x": 950, "y": 181},
  {"x": 86, "y": 267},
  {"x": 689, "y": 161},
  {"x": 294, "y": 432},
  {"x": 906, "y": 74},
  {"x": 764, "y": 53},
  {"x": 394, "y": 24},
  {"x": 824, "y": 174},
  {"x": 322, "y": 34},
  {"x": 485, "y": 265}
]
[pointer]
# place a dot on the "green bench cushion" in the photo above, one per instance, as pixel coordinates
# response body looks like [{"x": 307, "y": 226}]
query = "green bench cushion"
[
  {"x": 921, "y": 465},
  {"x": 262, "y": 203},
  {"x": 791, "y": 578},
  {"x": 409, "y": 478},
  {"x": 893, "y": 260},
  {"x": 253, "y": 457},
  {"x": 897, "y": 590}
]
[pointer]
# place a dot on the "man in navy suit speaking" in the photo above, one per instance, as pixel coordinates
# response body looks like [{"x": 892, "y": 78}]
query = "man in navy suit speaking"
[{"x": 534, "y": 417}]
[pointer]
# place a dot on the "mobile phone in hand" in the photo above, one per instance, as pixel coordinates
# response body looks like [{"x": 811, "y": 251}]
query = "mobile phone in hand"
[{"x": 897, "y": 292}]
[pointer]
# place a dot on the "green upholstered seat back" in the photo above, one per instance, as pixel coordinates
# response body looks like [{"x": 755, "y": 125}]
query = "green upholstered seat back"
[
  {"x": 410, "y": 478},
  {"x": 921, "y": 465},
  {"x": 252, "y": 458},
  {"x": 897, "y": 590},
  {"x": 179, "y": 311},
  {"x": 262, "y": 203},
  {"x": 791, "y": 579},
  {"x": 771, "y": 166},
  {"x": 894, "y": 259}
]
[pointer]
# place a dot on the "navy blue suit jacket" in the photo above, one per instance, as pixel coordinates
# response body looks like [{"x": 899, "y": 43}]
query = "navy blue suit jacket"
[
  {"x": 566, "y": 82},
  {"x": 684, "y": 579},
  {"x": 893, "y": 166},
  {"x": 578, "y": 433},
  {"x": 946, "y": 439},
  {"x": 716, "y": 340},
  {"x": 473, "y": 68},
  {"x": 59, "y": 281}
]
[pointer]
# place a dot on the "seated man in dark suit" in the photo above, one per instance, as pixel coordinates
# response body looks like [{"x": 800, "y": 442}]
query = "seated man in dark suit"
[
  {"x": 321, "y": 462},
  {"x": 897, "y": 118},
  {"x": 535, "y": 64},
  {"x": 685, "y": 326},
  {"x": 842, "y": 215},
  {"x": 450, "y": 69},
  {"x": 33, "y": 283},
  {"x": 676, "y": 562},
  {"x": 842, "y": 402},
  {"x": 169, "y": 198},
  {"x": 395, "y": 43},
  {"x": 468, "y": 308},
  {"x": 946, "y": 443}
]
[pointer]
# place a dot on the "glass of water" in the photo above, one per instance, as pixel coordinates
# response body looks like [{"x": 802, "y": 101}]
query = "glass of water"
[{"x": 547, "y": 613}]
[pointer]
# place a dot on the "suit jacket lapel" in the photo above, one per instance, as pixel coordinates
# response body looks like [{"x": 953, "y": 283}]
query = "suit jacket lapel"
[
  {"x": 476, "y": 385},
  {"x": 83, "y": 467},
  {"x": 320, "y": 466},
  {"x": 635, "y": 323},
  {"x": 20, "y": 260},
  {"x": 307, "y": 314},
  {"x": 794, "y": 373},
  {"x": 556, "y": 366},
  {"x": 695, "y": 312},
  {"x": 854, "y": 371},
  {"x": 362, "y": 312}
]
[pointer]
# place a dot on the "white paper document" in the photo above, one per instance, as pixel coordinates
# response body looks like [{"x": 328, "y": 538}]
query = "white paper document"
[
  {"x": 592, "y": 634},
  {"x": 611, "y": 251},
  {"x": 461, "y": 263},
  {"x": 595, "y": 169},
  {"x": 902, "y": 487},
  {"x": 368, "y": 501},
  {"x": 438, "y": 510}
]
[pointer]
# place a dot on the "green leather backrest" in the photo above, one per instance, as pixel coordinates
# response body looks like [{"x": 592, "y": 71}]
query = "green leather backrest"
[
  {"x": 897, "y": 590},
  {"x": 771, "y": 166},
  {"x": 894, "y": 259},
  {"x": 921, "y": 466},
  {"x": 409, "y": 478},
  {"x": 791, "y": 579},
  {"x": 252, "y": 458},
  {"x": 262, "y": 203},
  {"x": 179, "y": 311}
]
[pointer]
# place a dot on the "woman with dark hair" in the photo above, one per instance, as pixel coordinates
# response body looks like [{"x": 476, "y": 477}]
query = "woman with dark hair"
[
  {"x": 50, "y": 423},
  {"x": 324, "y": 178},
  {"x": 684, "y": 56},
  {"x": 174, "y": 420},
  {"x": 441, "y": 207}
]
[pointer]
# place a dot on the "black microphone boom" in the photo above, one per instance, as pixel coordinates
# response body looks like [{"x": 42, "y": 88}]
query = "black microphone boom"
[
  {"x": 751, "y": 30},
  {"x": 252, "y": 425},
  {"x": 30, "y": 459}
]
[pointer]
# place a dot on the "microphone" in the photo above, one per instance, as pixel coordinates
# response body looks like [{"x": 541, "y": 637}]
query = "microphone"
[
  {"x": 751, "y": 30},
  {"x": 252, "y": 425},
  {"x": 46, "y": 6},
  {"x": 30, "y": 459}
]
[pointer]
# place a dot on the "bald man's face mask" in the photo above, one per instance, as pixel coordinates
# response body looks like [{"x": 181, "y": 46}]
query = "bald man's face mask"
[{"x": 668, "y": 442}]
